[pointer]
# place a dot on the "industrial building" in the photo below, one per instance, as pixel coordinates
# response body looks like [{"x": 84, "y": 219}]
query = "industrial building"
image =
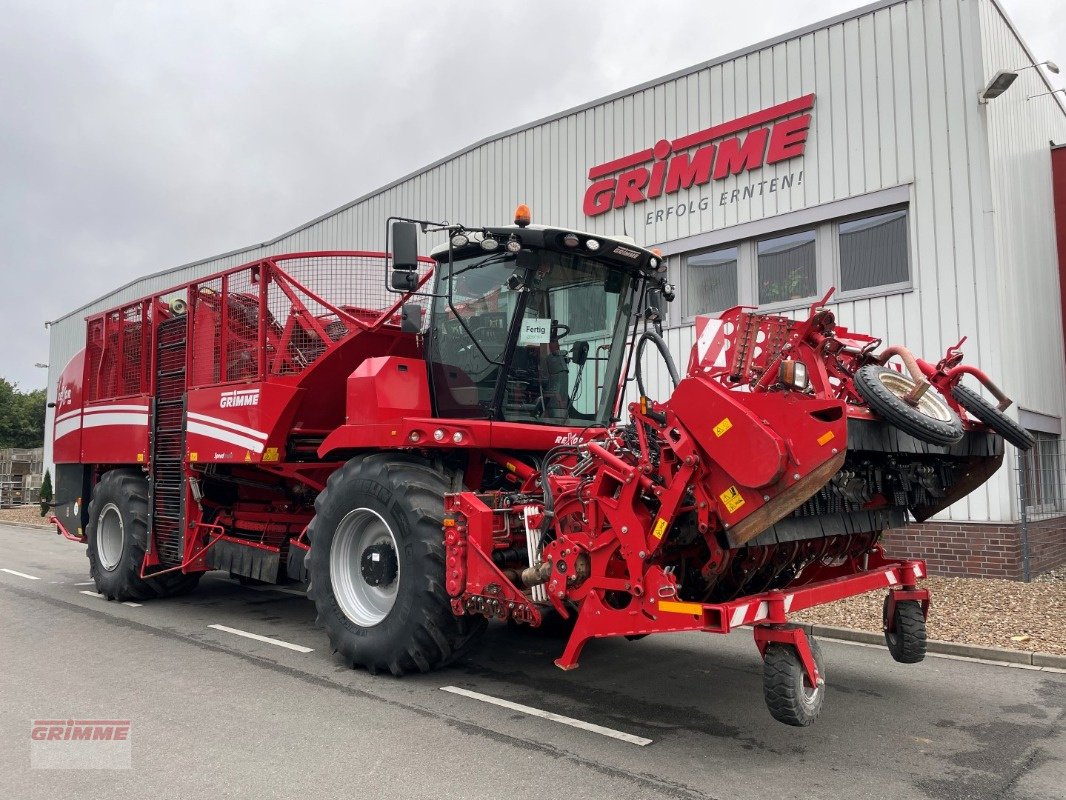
[{"x": 901, "y": 152}]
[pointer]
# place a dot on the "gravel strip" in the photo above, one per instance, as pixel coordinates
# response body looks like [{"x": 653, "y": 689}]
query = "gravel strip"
[
  {"x": 23, "y": 515},
  {"x": 981, "y": 611}
]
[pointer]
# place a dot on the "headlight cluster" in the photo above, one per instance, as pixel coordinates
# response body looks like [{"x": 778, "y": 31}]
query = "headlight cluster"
[{"x": 793, "y": 374}]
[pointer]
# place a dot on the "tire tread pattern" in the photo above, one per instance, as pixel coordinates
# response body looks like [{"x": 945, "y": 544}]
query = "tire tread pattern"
[
  {"x": 993, "y": 417},
  {"x": 908, "y": 644},
  {"x": 783, "y": 684}
]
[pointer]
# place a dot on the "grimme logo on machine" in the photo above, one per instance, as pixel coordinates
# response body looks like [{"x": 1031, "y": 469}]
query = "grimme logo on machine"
[
  {"x": 238, "y": 398},
  {"x": 730, "y": 148}
]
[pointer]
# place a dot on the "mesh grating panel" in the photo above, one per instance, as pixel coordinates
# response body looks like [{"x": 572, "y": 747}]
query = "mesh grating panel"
[{"x": 245, "y": 328}]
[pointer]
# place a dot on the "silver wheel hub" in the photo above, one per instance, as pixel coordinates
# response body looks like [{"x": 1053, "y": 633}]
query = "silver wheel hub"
[
  {"x": 364, "y": 568},
  {"x": 929, "y": 404},
  {"x": 110, "y": 537}
]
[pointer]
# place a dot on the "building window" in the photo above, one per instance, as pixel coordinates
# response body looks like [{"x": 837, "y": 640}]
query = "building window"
[
  {"x": 786, "y": 267},
  {"x": 873, "y": 251},
  {"x": 1044, "y": 476},
  {"x": 861, "y": 255},
  {"x": 712, "y": 281}
]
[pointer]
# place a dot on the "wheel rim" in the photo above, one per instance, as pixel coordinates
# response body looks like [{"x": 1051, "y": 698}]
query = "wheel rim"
[
  {"x": 930, "y": 404},
  {"x": 110, "y": 537},
  {"x": 364, "y": 579},
  {"x": 810, "y": 693}
]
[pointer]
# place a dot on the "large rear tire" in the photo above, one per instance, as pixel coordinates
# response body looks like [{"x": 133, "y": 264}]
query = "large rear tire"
[
  {"x": 117, "y": 536},
  {"x": 993, "y": 417},
  {"x": 377, "y": 566},
  {"x": 932, "y": 420}
]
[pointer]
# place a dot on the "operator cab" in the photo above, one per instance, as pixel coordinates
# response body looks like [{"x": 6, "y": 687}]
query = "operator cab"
[{"x": 528, "y": 323}]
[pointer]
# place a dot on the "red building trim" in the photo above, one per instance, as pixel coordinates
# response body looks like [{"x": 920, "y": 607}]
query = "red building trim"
[{"x": 1058, "y": 182}]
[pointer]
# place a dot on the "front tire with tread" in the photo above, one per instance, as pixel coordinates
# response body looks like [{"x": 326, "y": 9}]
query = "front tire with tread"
[{"x": 419, "y": 632}]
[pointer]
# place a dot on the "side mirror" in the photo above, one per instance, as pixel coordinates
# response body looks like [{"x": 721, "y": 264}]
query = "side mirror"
[
  {"x": 404, "y": 281},
  {"x": 411, "y": 316},
  {"x": 404, "y": 246},
  {"x": 579, "y": 353}
]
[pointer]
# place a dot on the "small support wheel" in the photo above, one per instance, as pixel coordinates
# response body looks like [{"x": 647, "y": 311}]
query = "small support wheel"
[
  {"x": 786, "y": 689},
  {"x": 906, "y": 635}
]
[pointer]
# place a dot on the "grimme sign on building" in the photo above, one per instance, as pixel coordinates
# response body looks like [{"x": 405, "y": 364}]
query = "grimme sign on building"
[{"x": 769, "y": 136}]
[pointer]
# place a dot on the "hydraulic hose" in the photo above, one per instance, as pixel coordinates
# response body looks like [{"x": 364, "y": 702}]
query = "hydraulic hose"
[{"x": 664, "y": 351}]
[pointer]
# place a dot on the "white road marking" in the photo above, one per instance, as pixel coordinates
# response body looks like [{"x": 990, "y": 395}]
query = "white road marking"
[
  {"x": 85, "y": 583},
  {"x": 536, "y": 712},
  {"x": 299, "y": 648},
  {"x": 20, "y": 574},
  {"x": 97, "y": 594}
]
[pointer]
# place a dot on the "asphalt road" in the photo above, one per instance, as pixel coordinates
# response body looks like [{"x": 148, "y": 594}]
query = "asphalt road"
[{"x": 214, "y": 714}]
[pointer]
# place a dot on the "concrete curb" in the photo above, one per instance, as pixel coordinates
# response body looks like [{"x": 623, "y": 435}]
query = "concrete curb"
[
  {"x": 998, "y": 654},
  {"x": 38, "y": 525}
]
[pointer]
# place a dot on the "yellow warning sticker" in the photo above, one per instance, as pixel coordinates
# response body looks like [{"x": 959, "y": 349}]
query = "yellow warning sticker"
[
  {"x": 247, "y": 456},
  {"x": 194, "y": 456},
  {"x": 732, "y": 499},
  {"x": 140, "y": 457},
  {"x": 659, "y": 529},
  {"x": 270, "y": 454},
  {"x": 723, "y": 427},
  {"x": 825, "y": 438}
]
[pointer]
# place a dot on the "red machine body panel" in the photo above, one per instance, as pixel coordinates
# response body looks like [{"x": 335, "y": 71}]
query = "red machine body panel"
[
  {"x": 248, "y": 422},
  {"x": 116, "y": 433},
  {"x": 66, "y": 431}
]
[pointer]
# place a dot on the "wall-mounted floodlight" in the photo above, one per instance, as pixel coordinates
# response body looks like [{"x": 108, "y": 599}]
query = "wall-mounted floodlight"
[
  {"x": 1044, "y": 94},
  {"x": 1000, "y": 82}
]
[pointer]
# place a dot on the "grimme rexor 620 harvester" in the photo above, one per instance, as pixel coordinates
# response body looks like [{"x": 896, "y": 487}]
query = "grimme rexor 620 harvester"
[{"x": 430, "y": 443}]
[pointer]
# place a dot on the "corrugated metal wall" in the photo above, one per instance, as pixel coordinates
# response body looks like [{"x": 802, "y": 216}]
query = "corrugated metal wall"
[{"x": 895, "y": 87}]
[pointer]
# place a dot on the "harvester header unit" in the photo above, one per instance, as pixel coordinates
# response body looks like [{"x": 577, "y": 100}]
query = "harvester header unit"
[{"x": 429, "y": 443}]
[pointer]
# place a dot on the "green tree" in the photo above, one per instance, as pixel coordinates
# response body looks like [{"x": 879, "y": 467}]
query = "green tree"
[
  {"x": 21, "y": 416},
  {"x": 46, "y": 492}
]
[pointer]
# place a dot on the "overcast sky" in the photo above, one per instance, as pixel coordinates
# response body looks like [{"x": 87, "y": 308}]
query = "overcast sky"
[{"x": 136, "y": 136}]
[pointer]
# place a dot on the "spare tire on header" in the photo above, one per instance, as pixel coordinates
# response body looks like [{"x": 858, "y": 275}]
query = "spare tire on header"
[
  {"x": 931, "y": 420},
  {"x": 993, "y": 417}
]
